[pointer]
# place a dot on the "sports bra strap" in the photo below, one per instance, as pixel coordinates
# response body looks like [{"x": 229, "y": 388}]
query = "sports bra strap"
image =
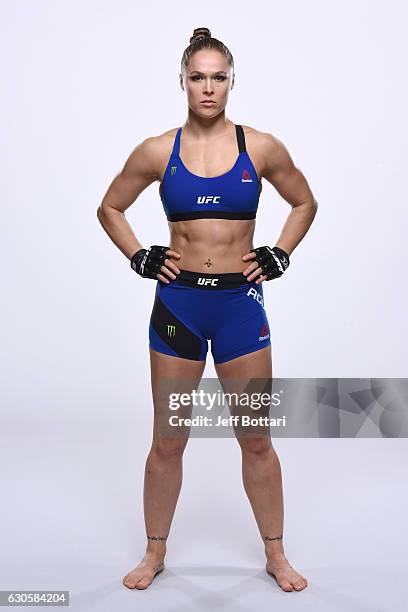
[
  {"x": 176, "y": 145},
  {"x": 240, "y": 140}
]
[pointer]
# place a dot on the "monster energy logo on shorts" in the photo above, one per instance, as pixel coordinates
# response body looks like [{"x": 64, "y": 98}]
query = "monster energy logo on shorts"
[
  {"x": 173, "y": 169},
  {"x": 171, "y": 330}
]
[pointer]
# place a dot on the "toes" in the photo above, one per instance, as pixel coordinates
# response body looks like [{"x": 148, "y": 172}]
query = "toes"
[
  {"x": 131, "y": 581},
  {"x": 137, "y": 582},
  {"x": 300, "y": 584},
  {"x": 143, "y": 583},
  {"x": 291, "y": 582},
  {"x": 286, "y": 586}
]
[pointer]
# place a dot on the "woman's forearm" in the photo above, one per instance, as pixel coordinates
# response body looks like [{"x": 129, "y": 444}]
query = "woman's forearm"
[
  {"x": 296, "y": 226},
  {"x": 118, "y": 229}
]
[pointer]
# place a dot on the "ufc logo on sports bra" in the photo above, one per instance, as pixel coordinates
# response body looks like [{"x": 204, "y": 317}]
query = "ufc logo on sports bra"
[
  {"x": 208, "y": 281},
  {"x": 208, "y": 199}
]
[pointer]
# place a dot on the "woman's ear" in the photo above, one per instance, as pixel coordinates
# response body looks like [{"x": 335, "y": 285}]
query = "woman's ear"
[
  {"x": 233, "y": 80},
  {"x": 181, "y": 81}
]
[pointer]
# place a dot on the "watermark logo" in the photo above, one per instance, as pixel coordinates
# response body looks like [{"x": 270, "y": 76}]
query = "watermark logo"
[{"x": 293, "y": 407}]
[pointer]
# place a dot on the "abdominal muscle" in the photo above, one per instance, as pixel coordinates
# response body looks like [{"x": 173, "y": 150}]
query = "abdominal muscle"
[{"x": 212, "y": 245}]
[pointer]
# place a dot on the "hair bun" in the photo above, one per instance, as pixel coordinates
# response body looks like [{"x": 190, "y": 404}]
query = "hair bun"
[{"x": 200, "y": 33}]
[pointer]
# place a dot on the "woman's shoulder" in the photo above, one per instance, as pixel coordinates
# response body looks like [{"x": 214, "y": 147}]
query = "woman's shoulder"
[
  {"x": 264, "y": 148},
  {"x": 260, "y": 138},
  {"x": 157, "y": 148},
  {"x": 262, "y": 144},
  {"x": 164, "y": 139},
  {"x": 150, "y": 155}
]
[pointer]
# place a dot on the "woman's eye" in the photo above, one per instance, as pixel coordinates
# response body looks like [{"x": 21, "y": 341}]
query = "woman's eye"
[{"x": 219, "y": 77}]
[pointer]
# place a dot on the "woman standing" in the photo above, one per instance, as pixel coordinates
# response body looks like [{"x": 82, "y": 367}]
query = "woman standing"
[{"x": 209, "y": 281}]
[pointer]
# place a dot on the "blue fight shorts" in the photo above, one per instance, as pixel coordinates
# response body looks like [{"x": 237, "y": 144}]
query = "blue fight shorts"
[{"x": 193, "y": 308}]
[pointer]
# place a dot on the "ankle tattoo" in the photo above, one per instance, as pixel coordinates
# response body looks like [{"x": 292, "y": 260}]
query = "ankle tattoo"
[
  {"x": 268, "y": 539},
  {"x": 157, "y": 538}
]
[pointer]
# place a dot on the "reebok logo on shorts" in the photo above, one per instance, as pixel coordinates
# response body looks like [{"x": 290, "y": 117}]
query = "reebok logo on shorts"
[{"x": 264, "y": 332}]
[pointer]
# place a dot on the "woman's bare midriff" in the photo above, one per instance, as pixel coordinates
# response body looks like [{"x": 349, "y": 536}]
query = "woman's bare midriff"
[{"x": 212, "y": 245}]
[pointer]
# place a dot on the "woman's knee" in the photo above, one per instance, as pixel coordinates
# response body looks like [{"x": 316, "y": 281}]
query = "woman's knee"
[
  {"x": 167, "y": 447},
  {"x": 256, "y": 446}
]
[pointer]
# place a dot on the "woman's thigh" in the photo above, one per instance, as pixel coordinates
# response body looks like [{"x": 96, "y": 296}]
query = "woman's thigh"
[
  {"x": 257, "y": 364},
  {"x": 170, "y": 377},
  {"x": 250, "y": 374}
]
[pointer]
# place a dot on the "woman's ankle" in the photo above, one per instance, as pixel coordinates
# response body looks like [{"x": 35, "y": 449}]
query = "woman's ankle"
[{"x": 156, "y": 545}]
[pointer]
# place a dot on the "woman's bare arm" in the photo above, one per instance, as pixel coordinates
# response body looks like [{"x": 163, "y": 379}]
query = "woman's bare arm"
[
  {"x": 137, "y": 174},
  {"x": 290, "y": 183},
  {"x": 139, "y": 171}
]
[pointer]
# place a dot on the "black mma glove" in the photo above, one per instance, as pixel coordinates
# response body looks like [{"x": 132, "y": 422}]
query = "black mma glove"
[
  {"x": 148, "y": 262},
  {"x": 272, "y": 261}
]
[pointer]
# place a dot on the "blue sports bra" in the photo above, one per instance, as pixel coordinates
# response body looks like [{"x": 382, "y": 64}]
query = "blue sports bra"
[{"x": 233, "y": 195}]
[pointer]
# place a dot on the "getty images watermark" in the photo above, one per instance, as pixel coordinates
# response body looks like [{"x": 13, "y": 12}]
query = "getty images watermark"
[
  {"x": 211, "y": 401},
  {"x": 283, "y": 407}
]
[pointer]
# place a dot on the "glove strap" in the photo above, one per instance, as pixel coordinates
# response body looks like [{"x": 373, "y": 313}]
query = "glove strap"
[
  {"x": 138, "y": 260},
  {"x": 283, "y": 256}
]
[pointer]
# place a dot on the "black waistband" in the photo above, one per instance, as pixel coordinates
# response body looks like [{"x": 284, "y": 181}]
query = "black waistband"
[{"x": 203, "y": 280}]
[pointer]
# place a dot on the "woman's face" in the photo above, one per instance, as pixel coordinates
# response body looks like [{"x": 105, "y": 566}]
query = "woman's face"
[{"x": 208, "y": 76}]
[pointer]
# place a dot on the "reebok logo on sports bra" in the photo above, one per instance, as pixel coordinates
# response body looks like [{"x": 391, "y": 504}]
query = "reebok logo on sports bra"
[
  {"x": 246, "y": 177},
  {"x": 237, "y": 191}
]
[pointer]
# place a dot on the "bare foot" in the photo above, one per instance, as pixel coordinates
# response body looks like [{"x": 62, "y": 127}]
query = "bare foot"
[
  {"x": 285, "y": 575},
  {"x": 143, "y": 575}
]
